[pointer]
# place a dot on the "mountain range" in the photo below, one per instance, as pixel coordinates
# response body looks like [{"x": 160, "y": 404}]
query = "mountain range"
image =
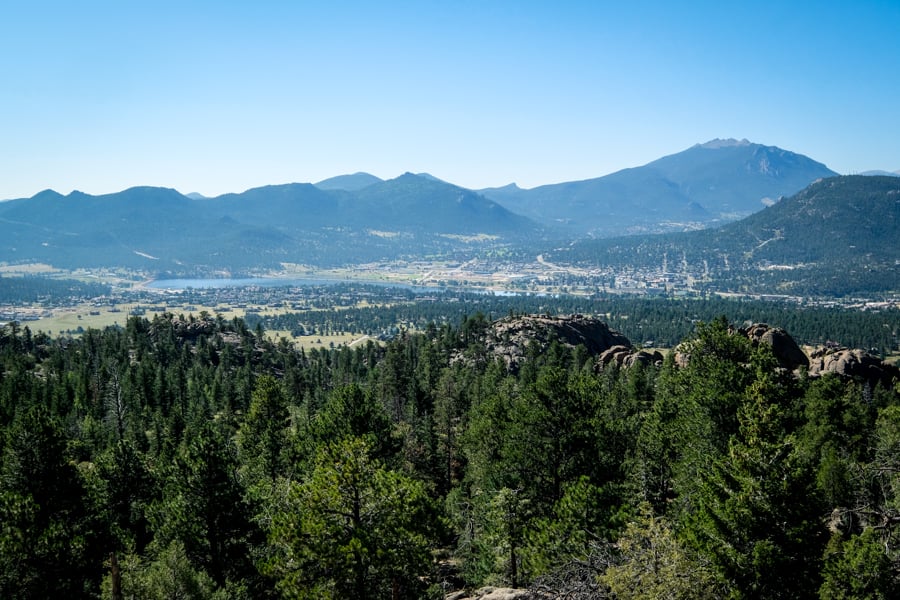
[
  {"x": 715, "y": 182},
  {"x": 162, "y": 230},
  {"x": 359, "y": 218}
]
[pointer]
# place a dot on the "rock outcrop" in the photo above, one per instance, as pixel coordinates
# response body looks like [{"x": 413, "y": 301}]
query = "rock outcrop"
[
  {"x": 189, "y": 329},
  {"x": 843, "y": 362},
  {"x": 785, "y": 349},
  {"x": 491, "y": 593},
  {"x": 510, "y": 338},
  {"x": 852, "y": 364},
  {"x": 626, "y": 356}
]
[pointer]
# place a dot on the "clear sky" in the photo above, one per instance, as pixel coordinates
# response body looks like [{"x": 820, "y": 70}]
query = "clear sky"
[{"x": 222, "y": 96}]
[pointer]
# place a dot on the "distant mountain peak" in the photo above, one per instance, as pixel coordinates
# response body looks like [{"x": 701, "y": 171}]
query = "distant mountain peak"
[
  {"x": 350, "y": 183},
  {"x": 509, "y": 187},
  {"x": 720, "y": 180},
  {"x": 48, "y": 194},
  {"x": 724, "y": 143},
  {"x": 429, "y": 176}
]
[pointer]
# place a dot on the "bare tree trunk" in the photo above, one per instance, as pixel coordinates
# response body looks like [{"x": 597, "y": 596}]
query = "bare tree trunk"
[{"x": 116, "y": 576}]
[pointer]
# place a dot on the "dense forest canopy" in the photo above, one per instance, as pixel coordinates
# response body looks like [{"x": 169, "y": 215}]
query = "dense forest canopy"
[
  {"x": 46, "y": 290},
  {"x": 193, "y": 457}
]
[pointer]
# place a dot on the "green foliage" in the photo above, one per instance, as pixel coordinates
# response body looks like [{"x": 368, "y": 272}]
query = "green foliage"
[
  {"x": 125, "y": 489},
  {"x": 858, "y": 568},
  {"x": 263, "y": 435},
  {"x": 585, "y": 515},
  {"x": 653, "y": 563},
  {"x": 758, "y": 518},
  {"x": 353, "y": 412},
  {"x": 47, "y": 536},
  {"x": 216, "y": 464},
  {"x": 168, "y": 576},
  {"x": 203, "y": 506},
  {"x": 23, "y": 291},
  {"x": 353, "y": 529},
  {"x": 494, "y": 528}
]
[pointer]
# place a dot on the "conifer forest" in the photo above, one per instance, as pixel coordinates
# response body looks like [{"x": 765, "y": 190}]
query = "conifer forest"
[{"x": 193, "y": 457}]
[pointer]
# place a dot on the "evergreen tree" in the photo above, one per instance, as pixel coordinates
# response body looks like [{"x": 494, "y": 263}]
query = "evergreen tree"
[
  {"x": 263, "y": 434},
  {"x": 758, "y": 518},
  {"x": 203, "y": 507},
  {"x": 353, "y": 529},
  {"x": 49, "y": 544}
]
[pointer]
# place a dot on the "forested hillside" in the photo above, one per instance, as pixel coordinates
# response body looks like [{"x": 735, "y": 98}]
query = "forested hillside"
[
  {"x": 190, "y": 457},
  {"x": 837, "y": 237},
  {"x": 27, "y": 290}
]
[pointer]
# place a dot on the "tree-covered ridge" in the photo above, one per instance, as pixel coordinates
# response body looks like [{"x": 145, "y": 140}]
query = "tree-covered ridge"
[
  {"x": 838, "y": 236},
  {"x": 46, "y": 290},
  {"x": 192, "y": 457}
]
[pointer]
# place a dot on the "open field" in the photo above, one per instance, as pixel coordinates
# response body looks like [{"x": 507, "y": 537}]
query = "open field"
[
  {"x": 86, "y": 316},
  {"x": 309, "y": 342},
  {"x": 28, "y": 269},
  {"x": 69, "y": 320}
]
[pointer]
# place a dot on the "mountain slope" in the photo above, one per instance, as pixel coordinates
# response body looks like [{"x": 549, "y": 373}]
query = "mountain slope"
[
  {"x": 422, "y": 202},
  {"x": 885, "y": 173},
  {"x": 719, "y": 180},
  {"x": 838, "y": 235}
]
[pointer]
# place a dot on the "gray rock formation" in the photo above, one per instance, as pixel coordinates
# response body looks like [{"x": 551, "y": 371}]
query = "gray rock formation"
[
  {"x": 844, "y": 362},
  {"x": 852, "y": 364},
  {"x": 509, "y": 338},
  {"x": 785, "y": 349},
  {"x": 491, "y": 593},
  {"x": 627, "y": 356}
]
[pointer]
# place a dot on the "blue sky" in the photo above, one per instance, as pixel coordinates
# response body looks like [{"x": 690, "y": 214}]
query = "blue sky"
[{"x": 216, "y": 97}]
